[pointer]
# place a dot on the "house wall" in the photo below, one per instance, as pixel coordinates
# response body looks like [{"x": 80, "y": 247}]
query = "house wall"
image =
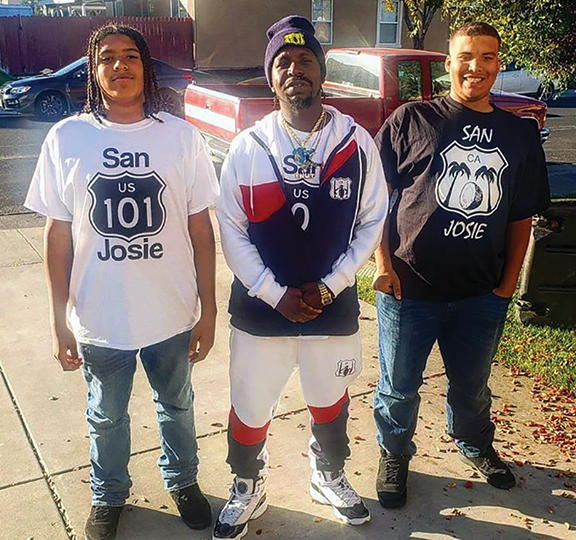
[
  {"x": 355, "y": 23},
  {"x": 232, "y": 34},
  {"x": 436, "y": 37}
]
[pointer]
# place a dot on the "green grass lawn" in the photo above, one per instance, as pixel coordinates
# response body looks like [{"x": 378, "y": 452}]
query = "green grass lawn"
[{"x": 545, "y": 352}]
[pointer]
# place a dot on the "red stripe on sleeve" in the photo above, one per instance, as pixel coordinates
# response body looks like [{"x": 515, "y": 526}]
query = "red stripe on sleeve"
[
  {"x": 339, "y": 159},
  {"x": 324, "y": 415},
  {"x": 263, "y": 201},
  {"x": 244, "y": 434}
]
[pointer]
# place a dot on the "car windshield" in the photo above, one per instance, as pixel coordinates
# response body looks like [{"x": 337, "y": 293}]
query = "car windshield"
[{"x": 71, "y": 67}]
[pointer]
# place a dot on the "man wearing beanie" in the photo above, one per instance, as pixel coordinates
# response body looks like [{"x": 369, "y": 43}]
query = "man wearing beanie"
[{"x": 302, "y": 208}]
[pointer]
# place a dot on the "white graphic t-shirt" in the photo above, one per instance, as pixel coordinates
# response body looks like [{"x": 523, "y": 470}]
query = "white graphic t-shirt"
[{"x": 127, "y": 190}]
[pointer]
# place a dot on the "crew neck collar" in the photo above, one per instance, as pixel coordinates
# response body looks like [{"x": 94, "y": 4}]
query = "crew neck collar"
[
  {"x": 461, "y": 107},
  {"x": 134, "y": 126}
]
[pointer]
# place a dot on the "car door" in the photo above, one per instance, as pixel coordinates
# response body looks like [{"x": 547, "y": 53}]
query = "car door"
[
  {"x": 509, "y": 79},
  {"x": 530, "y": 83},
  {"x": 76, "y": 88}
]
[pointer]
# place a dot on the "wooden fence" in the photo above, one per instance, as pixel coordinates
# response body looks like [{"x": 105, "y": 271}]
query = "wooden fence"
[{"x": 31, "y": 44}]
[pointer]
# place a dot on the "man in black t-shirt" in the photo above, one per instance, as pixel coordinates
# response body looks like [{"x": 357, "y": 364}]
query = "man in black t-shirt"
[{"x": 468, "y": 178}]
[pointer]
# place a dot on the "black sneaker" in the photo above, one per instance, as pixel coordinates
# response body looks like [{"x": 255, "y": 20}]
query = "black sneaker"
[
  {"x": 194, "y": 508},
  {"x": 102, "y": 522},
  {"x": 391, "y": 479},
  {"x": 491, "y": 467}
]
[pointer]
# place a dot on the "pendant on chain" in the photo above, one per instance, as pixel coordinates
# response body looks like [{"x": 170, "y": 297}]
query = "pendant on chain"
[{"x": 306, "y": 167}]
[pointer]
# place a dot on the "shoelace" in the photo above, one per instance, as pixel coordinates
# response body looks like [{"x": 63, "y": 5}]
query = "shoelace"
[
  {"x": 345, "y": 492},
  {"x": 101, "y": 514},
  {"x": 392, "y": 470}
]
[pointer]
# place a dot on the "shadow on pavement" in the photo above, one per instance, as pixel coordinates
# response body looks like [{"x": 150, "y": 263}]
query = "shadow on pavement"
[{"x": 438, "y": 507}]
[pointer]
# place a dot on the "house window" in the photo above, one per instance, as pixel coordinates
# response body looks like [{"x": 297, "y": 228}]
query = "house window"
[
  {"x": 322, "y": 20},
  {"x": 119, "y": 8},
  {"x": 177, "y": 9},
  {"x": 389, "y": 23}
]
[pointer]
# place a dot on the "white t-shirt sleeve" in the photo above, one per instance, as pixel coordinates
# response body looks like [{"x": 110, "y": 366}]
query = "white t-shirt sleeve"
[
  {"x": 241, "y": 254},
  {"x": 46, "y": 194},
  {"x": 202, "y": 186},
  {"x": 369, "y": 221}
]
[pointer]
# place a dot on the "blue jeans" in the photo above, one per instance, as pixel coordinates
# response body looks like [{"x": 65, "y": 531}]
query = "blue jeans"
[
  {"x": 468, "y": 332},
  {"x": 109, "y": 374}
]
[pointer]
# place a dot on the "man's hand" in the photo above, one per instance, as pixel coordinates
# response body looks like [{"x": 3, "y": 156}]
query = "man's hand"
[
  {"x": 311, "y": 295},
  {"x": 65, "y": 348},
  {"x": 503, "y": 292},
  {"x": 294, "y": 308},
  {"x": 388, "y": 282},
  {"x": 202, "y": 339}
]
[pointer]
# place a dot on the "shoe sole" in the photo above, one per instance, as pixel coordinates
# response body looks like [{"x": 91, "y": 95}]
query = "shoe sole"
[
  {"x": 320, "y": 499},
  {"x": 392, "y": 500},
  {"x": 465, "y": 460},
  {"x": 255, "y": 515}
]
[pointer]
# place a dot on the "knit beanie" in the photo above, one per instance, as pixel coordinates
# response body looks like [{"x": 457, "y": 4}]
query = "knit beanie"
[{"x": 292, "y": 30}]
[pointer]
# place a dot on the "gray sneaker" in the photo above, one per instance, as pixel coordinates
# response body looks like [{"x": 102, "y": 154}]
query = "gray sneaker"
[
  {"x": 333, "y": 488},
  {"x": 247, "y": 501}
]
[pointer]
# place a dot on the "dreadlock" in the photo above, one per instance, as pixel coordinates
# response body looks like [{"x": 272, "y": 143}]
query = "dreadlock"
[{"x": 94, "y": 101}]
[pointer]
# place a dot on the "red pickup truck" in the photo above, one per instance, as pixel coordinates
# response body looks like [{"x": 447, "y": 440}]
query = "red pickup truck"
[{"x": 365, "y": 83}]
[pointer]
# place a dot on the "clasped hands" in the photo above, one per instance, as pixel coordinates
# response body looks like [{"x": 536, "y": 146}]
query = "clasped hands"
[{"x": 301, "y": 304}]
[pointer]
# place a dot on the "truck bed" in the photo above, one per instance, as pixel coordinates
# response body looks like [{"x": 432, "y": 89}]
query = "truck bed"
[{"x": 221, "y": 111}]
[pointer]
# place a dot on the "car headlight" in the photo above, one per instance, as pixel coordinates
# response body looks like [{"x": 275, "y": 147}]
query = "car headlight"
[{"x": 19, "y": 89}]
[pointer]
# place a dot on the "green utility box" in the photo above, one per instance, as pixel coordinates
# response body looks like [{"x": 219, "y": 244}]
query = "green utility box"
[{"x": 548, "y": 290}]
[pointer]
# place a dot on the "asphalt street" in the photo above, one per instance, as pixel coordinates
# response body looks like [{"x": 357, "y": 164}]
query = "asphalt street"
[{"x": 21, "y": 138}]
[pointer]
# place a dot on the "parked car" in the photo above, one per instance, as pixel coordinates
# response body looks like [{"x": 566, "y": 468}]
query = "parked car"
[
  {"x": 5, "y": 77},
  {"x": 50, "y": 97},
  {"x": 514, "y": 79},
  {"x": 366, "y": 83}
]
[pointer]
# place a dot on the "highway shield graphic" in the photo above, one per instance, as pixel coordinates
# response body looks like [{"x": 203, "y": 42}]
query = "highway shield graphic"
[{"x": 127, "y": 205}]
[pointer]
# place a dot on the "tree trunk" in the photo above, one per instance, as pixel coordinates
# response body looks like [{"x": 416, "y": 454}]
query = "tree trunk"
[{"x": 418, "y": 41}]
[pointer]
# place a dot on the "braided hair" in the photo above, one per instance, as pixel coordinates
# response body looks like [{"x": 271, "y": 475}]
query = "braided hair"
[{"x": 94, "y": 101}]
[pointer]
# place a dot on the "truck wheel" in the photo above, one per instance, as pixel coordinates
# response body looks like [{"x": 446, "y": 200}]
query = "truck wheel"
[
  {"x": 546, "y": 91},
  {"x": 170, "y": 102},
  {"x": 51, "y": 106}
]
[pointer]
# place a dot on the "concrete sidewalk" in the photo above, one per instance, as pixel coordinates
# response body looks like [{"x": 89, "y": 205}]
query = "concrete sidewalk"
[{"x": 44, "y": 491}]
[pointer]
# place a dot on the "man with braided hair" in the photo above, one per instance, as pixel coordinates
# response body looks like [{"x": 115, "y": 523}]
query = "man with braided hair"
[{"x": 130, "y": 263}]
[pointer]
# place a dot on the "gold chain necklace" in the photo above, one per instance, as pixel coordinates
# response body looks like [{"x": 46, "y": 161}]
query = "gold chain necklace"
[
  {"x": 302, "y": 155},
  {"x": 314, "y": 130}
]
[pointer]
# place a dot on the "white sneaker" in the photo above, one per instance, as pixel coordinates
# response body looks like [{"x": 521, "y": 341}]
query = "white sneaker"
[
  {"x": 247, "y": 501},
  {"x": 335, "y": 490}
]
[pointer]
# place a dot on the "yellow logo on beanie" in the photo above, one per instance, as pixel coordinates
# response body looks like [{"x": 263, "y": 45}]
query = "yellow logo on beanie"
[{"x": 295, "y": 38}]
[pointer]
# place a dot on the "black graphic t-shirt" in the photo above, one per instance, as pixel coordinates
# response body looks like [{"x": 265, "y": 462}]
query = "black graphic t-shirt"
[{"x": 461, "y": 176}]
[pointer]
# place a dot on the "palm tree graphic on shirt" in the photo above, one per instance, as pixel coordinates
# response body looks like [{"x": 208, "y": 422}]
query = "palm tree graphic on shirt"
[
  {"x": 470, "y": 182},
  {"x": 455, "y": 170},
  {"x": 488, "y": 174}
]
